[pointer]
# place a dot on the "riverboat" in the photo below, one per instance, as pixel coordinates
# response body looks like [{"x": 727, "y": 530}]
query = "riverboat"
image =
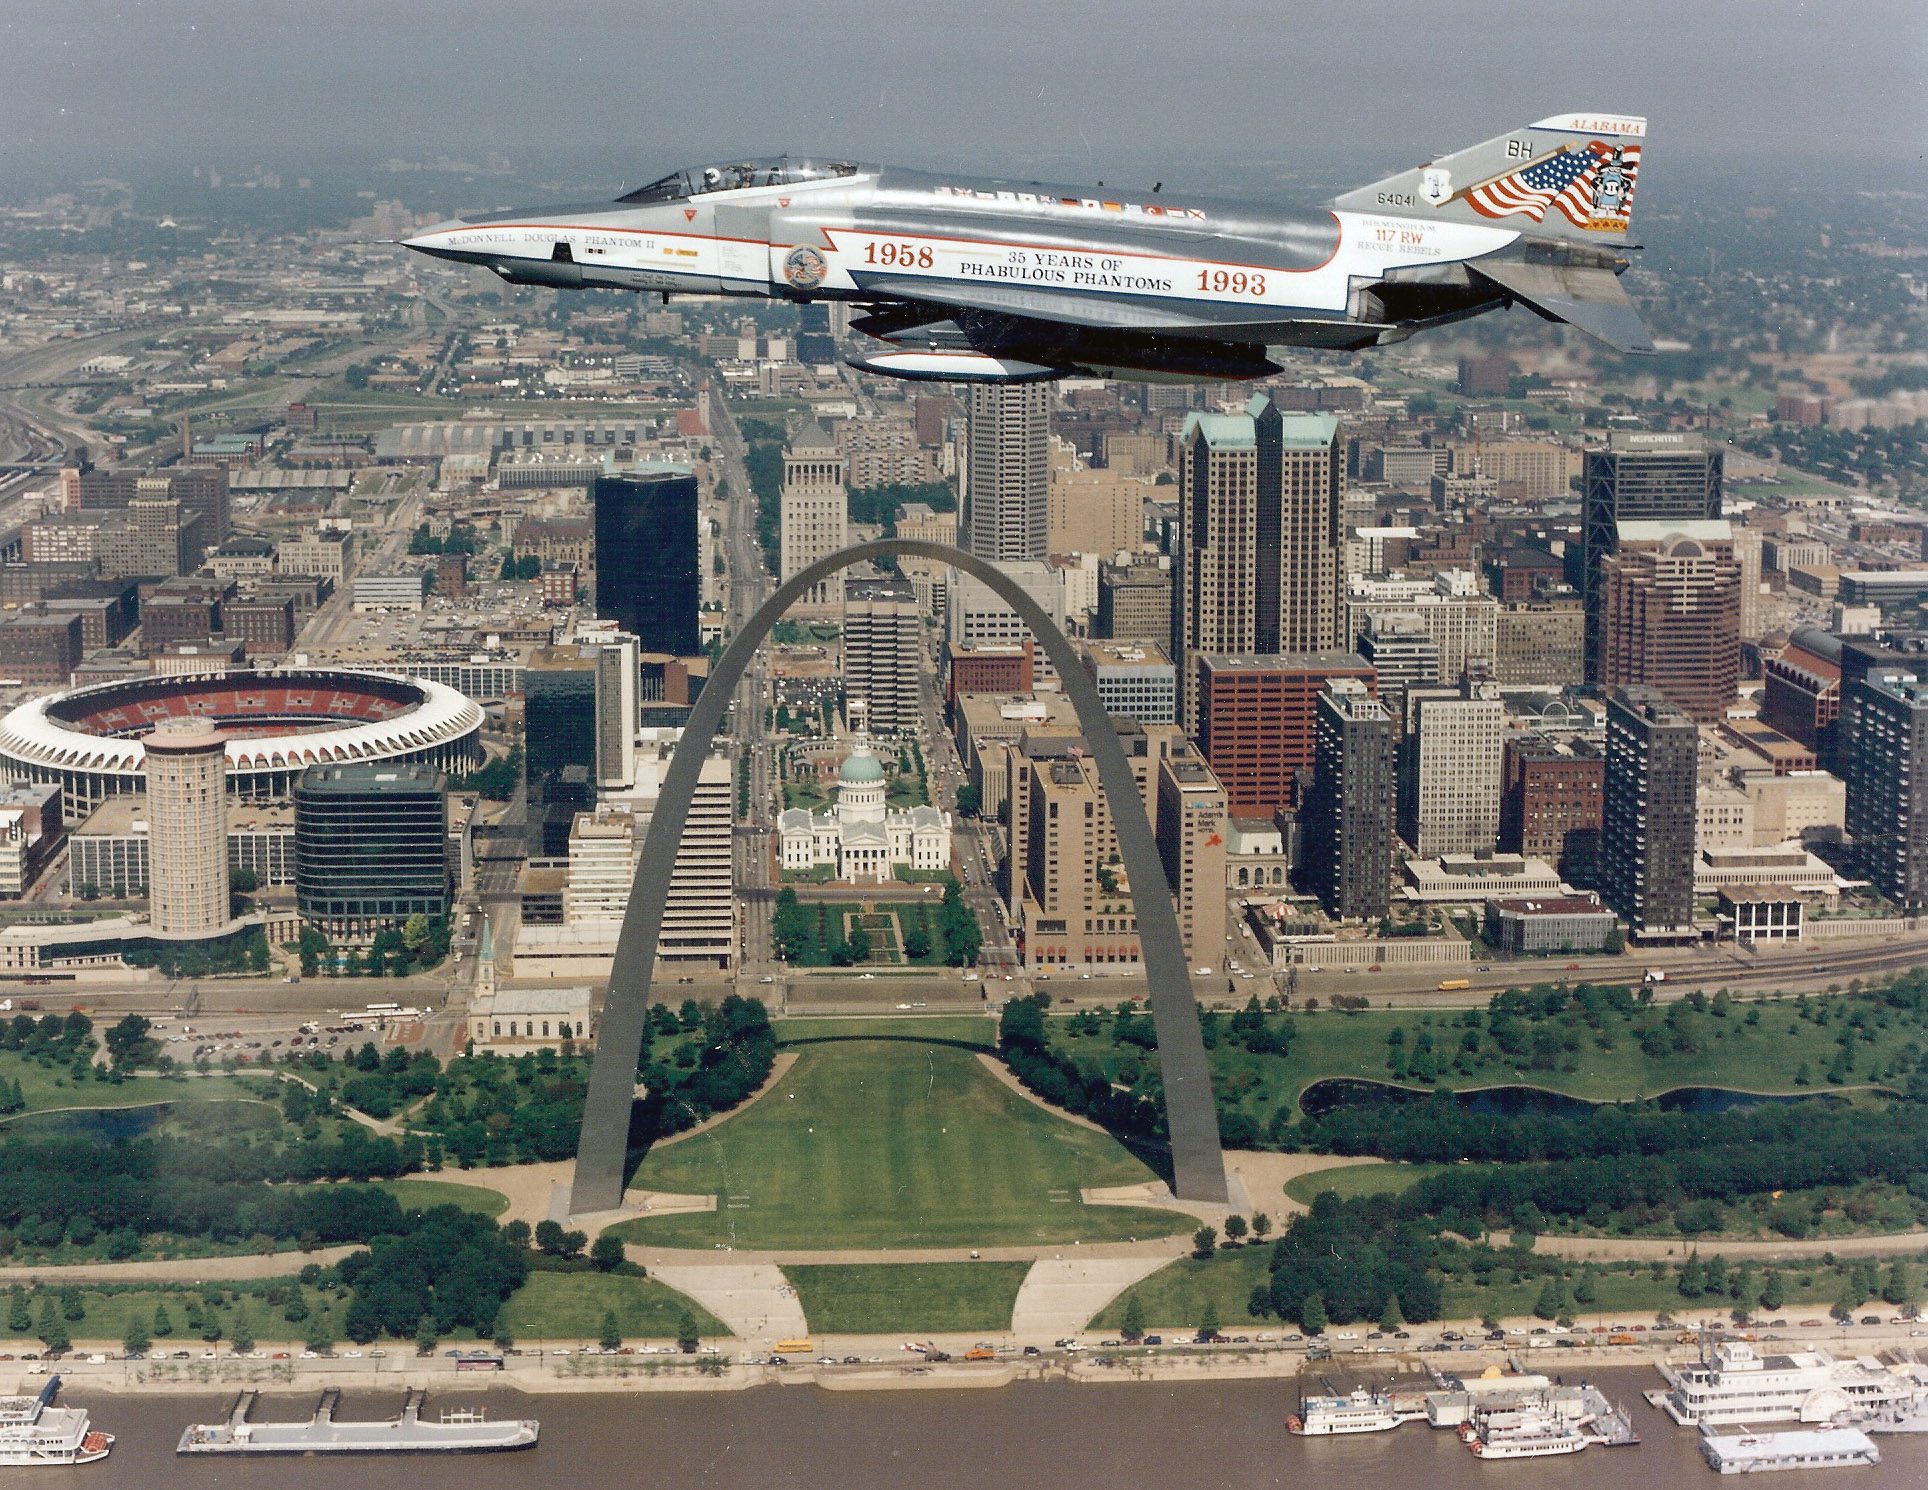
[
  {"x": 34, "y": 1431},
  {"x": 1356, "y": 1412},
  {"x": 1736, "y": 1385}
]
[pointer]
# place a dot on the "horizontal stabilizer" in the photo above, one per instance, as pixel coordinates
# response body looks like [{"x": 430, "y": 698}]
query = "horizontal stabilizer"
[{"x": 1589, "y": 298}]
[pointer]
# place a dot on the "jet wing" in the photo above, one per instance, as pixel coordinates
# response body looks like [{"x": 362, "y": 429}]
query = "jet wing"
[{"x": 1587, "y": 297}]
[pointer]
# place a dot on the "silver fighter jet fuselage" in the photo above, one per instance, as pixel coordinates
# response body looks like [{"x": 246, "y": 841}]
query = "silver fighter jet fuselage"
[{"x": 965, "y": 279}]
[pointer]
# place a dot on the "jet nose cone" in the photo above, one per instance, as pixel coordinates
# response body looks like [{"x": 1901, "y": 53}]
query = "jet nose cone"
[{"x": 435, "y": 240}]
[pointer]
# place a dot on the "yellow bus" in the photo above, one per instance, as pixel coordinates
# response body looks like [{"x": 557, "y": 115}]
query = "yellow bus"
[
  {"x": 794, "y": 1347},
  {"x": 1449, "y": 984}
]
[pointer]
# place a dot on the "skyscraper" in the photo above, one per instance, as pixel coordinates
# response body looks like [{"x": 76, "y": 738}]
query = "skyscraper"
[
  {"x": 1257, "y": 722},
  {"x": 882, "y": 657},
  {"x": 1449, "y": 769},
  {"x": 647, "y": 576},
  {"x": 813, "y": 512},
  {"x": 560, "y": 739},
  {"x": 1671, "y": 608},
  {"x": 1650, "y": 814},
  {"x": 187, "y": 827},
  {"x": 1346, "y": 822},
  {"x": 371, "y": 846},
  {"x": 1637, "y": 478},
  {"x": 1007, "y": 471},
  {"x": 1887, "y": 768},
  {"x": 1258, "y": 538}
]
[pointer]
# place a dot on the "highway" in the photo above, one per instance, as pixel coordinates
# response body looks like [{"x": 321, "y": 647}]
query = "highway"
[{"x": 749, "y": 585}]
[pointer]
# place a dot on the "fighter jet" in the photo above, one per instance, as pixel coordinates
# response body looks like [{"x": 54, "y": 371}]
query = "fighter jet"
[{"x": 969, "y": 280}]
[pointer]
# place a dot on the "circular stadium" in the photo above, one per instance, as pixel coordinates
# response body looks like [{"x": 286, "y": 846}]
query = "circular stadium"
[{"x": 88, "y": 740}]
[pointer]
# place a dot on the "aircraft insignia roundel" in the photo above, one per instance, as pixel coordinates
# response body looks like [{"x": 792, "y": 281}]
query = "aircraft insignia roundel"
[{"x": 804, "y": 268}]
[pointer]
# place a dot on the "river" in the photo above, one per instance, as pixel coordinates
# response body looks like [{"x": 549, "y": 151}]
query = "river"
[{"x": 1058, "y": 1435}]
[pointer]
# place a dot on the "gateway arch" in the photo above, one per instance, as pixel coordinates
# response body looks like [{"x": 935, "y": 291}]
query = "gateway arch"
[{"x": 1198, "y": 1167}]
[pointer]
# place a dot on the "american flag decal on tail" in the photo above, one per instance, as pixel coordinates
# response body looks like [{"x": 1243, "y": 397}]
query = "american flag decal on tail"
[{"x": 1590, "y": 187}]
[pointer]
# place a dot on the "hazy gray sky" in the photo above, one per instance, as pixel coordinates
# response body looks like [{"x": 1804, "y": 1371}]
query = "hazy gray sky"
[{"x": 989, "y": 84}]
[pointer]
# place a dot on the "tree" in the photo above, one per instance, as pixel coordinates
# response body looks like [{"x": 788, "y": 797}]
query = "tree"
[
  {"x": 241, "y": 1332},
  {"x": 1585, "y": 1289},
  {"x": 611, "y": 1334},
  {"x": 1312, "y": 1314},
  {"x": 426, "y": 1335},
  {"x": 1208, "y": 1321},
  {"x": 19, "y": 1315},
  {"x": 163, "y": 1325},
  {"x": 1235, "y": 1229},
  {"x": 1389, "y": 1316},
  {"x": 318, "y": 1337},
  {"x": 71, "y": 1308},
  {"x": 1551, "y": 1303},
  {"x": 549, "y": 1237},
  {"x": 1261, "y": 1225},
  {"x": 53, "y": 1329},
  {"x": 1204, "y": 1242},
  {"x": 136, "y": 1339},
  {"x": 970, "y": 800},
  {"x": 1692, "y": 1282},
  {"x": 607, "y": 1252},
  {"x": 1900, "y": 1286},
  {"x": 687, "y": 1335},
  {"x": 1773, "y": 1294}
]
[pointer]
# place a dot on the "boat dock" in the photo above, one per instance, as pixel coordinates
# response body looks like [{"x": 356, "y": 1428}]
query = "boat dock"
[{"x": 460, "y": 1432}]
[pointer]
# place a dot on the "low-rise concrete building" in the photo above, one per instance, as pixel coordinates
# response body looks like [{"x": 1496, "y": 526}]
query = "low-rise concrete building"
[{"x": 1560, "y": 923}]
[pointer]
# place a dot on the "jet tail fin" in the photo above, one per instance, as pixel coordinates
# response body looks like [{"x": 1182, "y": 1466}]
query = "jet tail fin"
[
  {"x": 1588, "y": 296},
  {"x": 1570, "y": 177}
]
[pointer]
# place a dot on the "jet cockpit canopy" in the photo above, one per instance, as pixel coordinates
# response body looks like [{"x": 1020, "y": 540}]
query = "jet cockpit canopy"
[{"x": 735, "y": 175}]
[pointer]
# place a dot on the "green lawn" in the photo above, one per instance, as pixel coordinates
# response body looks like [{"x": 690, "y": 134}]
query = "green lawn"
[
  {"x": 972, "y": 1030},
  {"x": 880, "y": 1298},
  {"x": 570, "y": 1306},
  {"x": 45, "y": 1087},
  {"x": 875, "y": 1143},
  {"x": 1603, "y": 1062},
  {"x": 1350, "y": 1181},
  {"x": 1174, "y": 1297},
  {"x": 109, "y": 1311},
  {"x": 424, "y": 1194}
]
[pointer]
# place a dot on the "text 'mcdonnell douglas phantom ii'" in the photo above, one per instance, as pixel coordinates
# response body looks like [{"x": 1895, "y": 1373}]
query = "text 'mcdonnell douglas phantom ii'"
[{"x": 967, "y": 280}]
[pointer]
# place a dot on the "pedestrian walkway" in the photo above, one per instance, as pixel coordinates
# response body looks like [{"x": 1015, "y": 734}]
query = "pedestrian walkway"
[
  {"x": 755, "y": 1300},
  {"x": 1060, "y": 1297}
]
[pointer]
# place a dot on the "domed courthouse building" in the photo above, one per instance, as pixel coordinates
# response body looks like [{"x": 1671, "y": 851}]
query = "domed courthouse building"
[{"x": 860, "y": 837}]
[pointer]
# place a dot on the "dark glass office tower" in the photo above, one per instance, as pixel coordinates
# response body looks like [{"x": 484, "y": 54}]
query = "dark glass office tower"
[
  {"x": 559, "y": 749},
  {"x": 371, "y": 847},
  {"x": 1638, "y": 477},
  {"x": 647, "y": 576}
]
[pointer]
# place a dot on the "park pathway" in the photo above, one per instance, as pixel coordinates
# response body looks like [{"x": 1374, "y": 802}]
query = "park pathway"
[
  {"x": 177, "y": 1270},
  {"x": 1675, "y": 1249}
]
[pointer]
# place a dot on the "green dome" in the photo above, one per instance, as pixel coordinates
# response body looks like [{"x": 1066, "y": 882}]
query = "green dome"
[{"x": 860, "y": 766}]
